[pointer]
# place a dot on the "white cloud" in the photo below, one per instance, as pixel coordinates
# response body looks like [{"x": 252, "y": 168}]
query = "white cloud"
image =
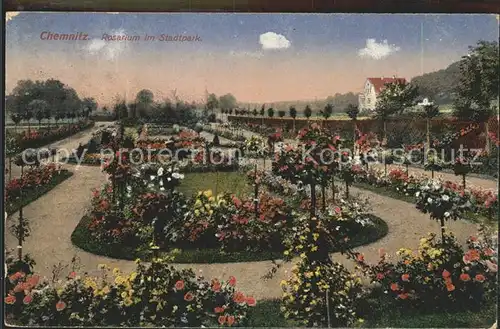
[
  {"x": 108, "y": 49},
  {"x": 246, "y": 54},
  {"x": 271, "y": 40},
  {"x": 376, "y": 50},
  {"x": 10, "y": 15}
]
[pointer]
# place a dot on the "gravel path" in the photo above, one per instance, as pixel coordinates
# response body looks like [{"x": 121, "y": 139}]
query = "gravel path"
[
  {"x": 65, "y": 146},
  {"x": 54, "y": 216}
]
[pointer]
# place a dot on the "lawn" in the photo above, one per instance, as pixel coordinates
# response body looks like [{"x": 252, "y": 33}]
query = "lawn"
[
  {"x": 218, "y": 182},
  {"x": 267, "y": 313}
]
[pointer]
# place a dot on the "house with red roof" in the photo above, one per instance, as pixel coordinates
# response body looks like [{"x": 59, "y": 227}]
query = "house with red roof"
[{"x": 373, "y": 87}]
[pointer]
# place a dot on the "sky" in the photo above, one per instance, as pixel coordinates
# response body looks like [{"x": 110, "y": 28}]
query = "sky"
[{"x": 256, "y": 57}]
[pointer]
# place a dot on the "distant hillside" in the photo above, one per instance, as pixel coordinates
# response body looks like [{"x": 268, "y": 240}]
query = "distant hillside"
[{"x": 439, "y": 85}]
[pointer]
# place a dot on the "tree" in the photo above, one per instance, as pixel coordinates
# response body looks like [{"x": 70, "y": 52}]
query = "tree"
[
  {"x": 212, "y": 102},
  {"x": 353, "y": 112},
  {"x": 254, "y": 112},
  {"x": 262, "y": 110},
  {"x": 394, "y": 98},
  {"x": 292, "y": 111},
  {"x": 477, "y": 92},
  {"x": 307, "y": 113},
  {"x": 227, "y": 101},
  {"x": 429, "y": 111},
  {"x": 16, "y": 118},
  {"x": 27, "y": 115},
  {"x": 48, "y": 115},
  {"x": 281, "y": 114},
  {"x": 270, "y": 112},
  {"x": 38, "y": 108},
  {"x": 327, "y": 112},
  {"x": 144, "y": 101},
  {"x": 89, "y": 105}
]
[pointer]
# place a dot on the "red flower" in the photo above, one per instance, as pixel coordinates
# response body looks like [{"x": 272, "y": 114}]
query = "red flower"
[
  {"x": 488, "y": 252},
  {"x": 450, "y": 287},
  {"x": 10, "y": 299},
  {"x": 216, "y": 286},
  {"x": 239, "y": 298},
  {"x": 405, "y": 277},
  {"x": 237, "y": 202},
  {"x": 179, "y": 285},
  {"x": 27, "y": 299},
  {"x": 188, "y": 297},
  {"x": 251, "y": 301},
  {"x": 222, "y": 319},
  {"x": 480, "y": 277},
  {"x": 219, "y": 309},
  {"x": 60, "y": 306},
  {"x": 394, "y": 286},
  {"x": 403, "y": 295},
  {"x": 380, "y": 276},
  {"x": 232, "y": 281},
  {"x": 230, "y": 320},
  {"x": 360, "y": 257},
  {"x": 446, "y": 274},
  {"x": 464, "y": 277},
  {"x": 337, "y": 210},
  {"x": 72, "y": 275}
]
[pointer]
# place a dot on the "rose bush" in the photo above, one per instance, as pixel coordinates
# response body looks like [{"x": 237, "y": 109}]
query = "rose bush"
[
  {"x": 439, "y": 275},
  {"x": 140, "y": 298}
]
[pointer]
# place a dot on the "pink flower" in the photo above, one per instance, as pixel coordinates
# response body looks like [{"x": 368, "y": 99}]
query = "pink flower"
[{"x": 492, "y": 267}]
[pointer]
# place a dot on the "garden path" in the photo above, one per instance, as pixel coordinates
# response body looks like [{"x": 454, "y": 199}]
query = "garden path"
[
  {"x": 68, "y": 144},
  {"x": 471, "y": 181},
  {"x": 54, "y": 216}
]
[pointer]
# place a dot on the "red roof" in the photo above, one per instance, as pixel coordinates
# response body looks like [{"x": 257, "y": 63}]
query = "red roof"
[{"x": 379, "y": 83}]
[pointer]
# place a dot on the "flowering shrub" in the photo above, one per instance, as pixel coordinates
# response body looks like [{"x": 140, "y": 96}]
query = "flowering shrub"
[
  {"x": 161, "y": 177},
  {"x": 226, "y": 222},
  {"x": 37, "y": 138},
  {"x": 439, "y": 275},
  {"x": 315, "y": 276},
  {"x": 307, "y": 290},
  {"x": 137, "y": 299},
  {"x": 433, "y": 198},
  {"x": 32, "y": 180}
]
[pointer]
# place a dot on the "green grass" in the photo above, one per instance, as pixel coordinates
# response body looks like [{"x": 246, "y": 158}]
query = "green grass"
[
  {"x": 267, "y": 314},
  {"x": 230, "y": 182},
  {"x": 82, "y": 238},
  {"x": 33, "y": 194}
]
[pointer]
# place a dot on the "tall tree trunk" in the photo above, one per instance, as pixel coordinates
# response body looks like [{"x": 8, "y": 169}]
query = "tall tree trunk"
[
  {"x": 385, "y": 130},
  {"x": 293, "y": 124},
  {"x": 354, "y": 136}
]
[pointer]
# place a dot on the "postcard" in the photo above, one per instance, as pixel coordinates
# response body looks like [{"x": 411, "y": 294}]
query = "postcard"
[{"x": 251, "y": 170}]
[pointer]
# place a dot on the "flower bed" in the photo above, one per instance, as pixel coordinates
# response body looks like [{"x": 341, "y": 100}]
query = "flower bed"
[
  {"x": 33, "y": 184},
  {"x": 398, "y": 182},
  {"x": 152, "y": 295},
  {"x": 36, "y": 139}
]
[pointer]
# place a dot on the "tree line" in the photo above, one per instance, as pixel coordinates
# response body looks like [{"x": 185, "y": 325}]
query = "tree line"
[{"x": 46, "y": 100}]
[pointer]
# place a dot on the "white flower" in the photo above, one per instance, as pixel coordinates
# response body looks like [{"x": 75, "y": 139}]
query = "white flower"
[
  {"x": 169, "y": 169},
  {"x": 162, "y": 188},
  {"x": 169, "y": 179},
  {"x": 445, "y": 197},
  {"x": 417, "y": 194},
  {"x": 160, "y": 171},
  {"x": 446, "y": 214},
  {"x": 152, "y": 177},
  {"x": 177, "y": 176},
  {"x": 429, "y": 200},
  {"x": 161, "y": 182}
]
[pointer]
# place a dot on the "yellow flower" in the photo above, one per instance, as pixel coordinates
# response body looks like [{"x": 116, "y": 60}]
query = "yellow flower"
[
  {"x": 105, "y": 290},
  {"x": 123, "y": 294},
  {"x": 210, "y": 212},
  {"x": 119, "y": 280},
  {"x": 283, "y": 283},
  {"x": 127, "y": 302},
  {"x": 197, "y": 204},
  {"x": 303, "y": 255},
  {"x": 309, "y": 275},
  {"x": 102, "y": 266},
  {"x": 286, "y": 253},
  {"x": 133, "y": 275},
  {"x": 116, "y": 271},
  {"x": 314, "y": 248},
  {"x": 197, "y": 212},
  {"x": 208, "y": 193}
]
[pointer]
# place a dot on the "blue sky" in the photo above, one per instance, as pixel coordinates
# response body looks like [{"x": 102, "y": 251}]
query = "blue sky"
[{"x": 388, "y": 41}]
